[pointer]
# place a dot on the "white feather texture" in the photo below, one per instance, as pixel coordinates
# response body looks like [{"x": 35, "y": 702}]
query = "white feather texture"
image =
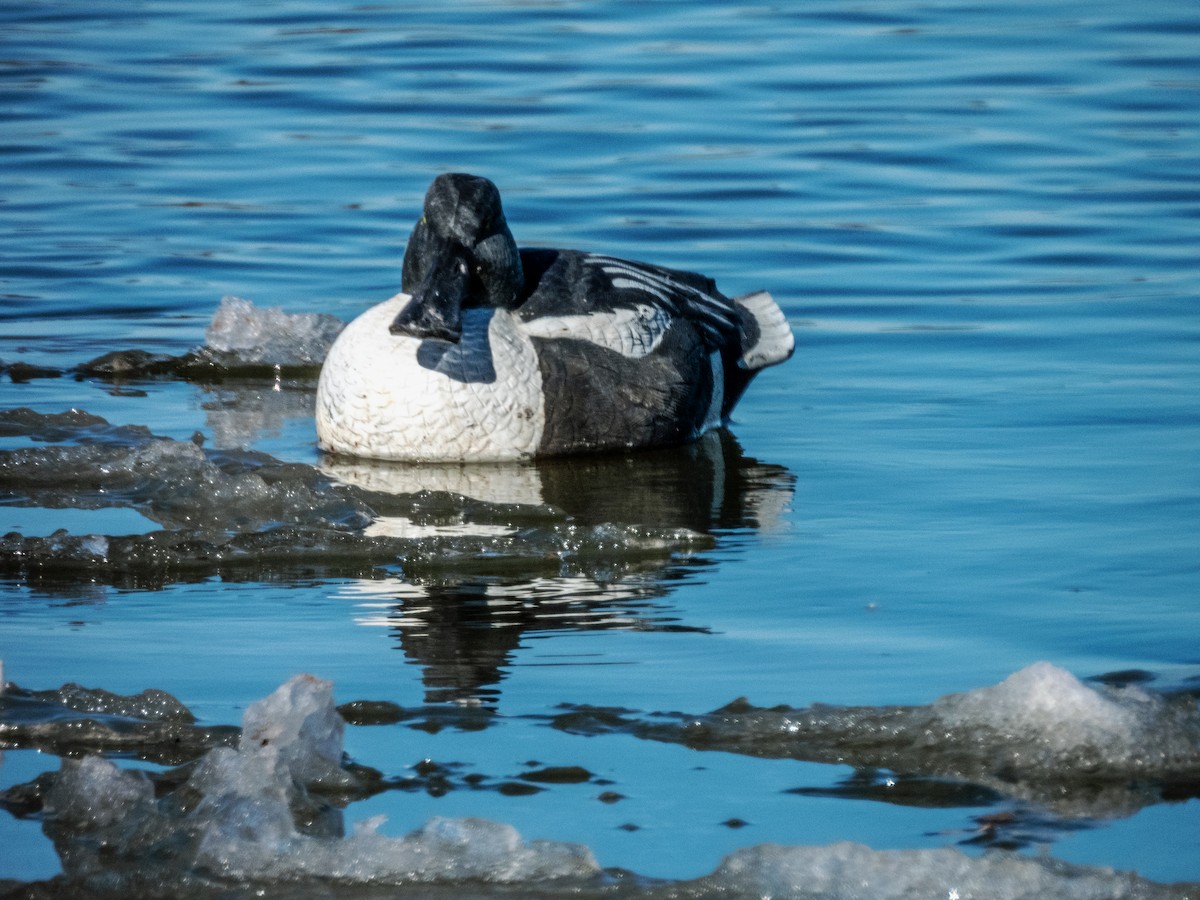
[
  {"x": 375, "y": 398},
  {"x": 632, "y": 332}
]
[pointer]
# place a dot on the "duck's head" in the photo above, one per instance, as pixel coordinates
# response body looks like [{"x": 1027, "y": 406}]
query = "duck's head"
[{"x": 460, "y": 254}]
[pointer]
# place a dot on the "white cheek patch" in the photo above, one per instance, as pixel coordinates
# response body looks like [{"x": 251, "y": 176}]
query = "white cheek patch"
[{"x": 633, "y": 332}]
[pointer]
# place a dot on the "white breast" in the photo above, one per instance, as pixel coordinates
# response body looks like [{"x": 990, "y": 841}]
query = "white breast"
[{"x": 482, "y": 400}]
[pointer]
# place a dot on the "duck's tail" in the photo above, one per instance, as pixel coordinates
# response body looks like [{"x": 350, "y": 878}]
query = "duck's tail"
[
  {"x": 766, "y": 336},
  {"x": 765, "y": 340}
]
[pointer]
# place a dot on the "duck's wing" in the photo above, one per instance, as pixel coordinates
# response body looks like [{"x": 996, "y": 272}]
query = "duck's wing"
[{"x": 621, "y": 304}]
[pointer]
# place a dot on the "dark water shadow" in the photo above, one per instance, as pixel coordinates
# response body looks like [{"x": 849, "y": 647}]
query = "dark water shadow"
[{"x": 631, "y": 527}]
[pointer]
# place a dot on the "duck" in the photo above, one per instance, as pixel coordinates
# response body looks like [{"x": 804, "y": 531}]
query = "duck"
[{"x": 491, "y": 352}]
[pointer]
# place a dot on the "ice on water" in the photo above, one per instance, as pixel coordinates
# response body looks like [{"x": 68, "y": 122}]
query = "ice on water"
[
  {"x": 247, "y": 508},
  {"x": 270, "y": 336},
  {"x": 255, "y": 814},
  {"x": 1043, "y": 718},
  {"x": 298, "y": 728},
  {"x": 855, "y": 872},
  {"x": 1025, "y": 738},
  {"x": 236, "y": 817}
]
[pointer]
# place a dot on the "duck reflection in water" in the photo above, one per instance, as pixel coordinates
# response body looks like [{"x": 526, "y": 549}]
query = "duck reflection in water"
[{"x": 463, "y": 626}]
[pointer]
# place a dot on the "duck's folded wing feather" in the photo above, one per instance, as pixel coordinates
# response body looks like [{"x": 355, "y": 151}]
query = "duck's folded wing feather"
[
  {"x": 625, "y": 304},
  {"x": 633, "y": 332}
]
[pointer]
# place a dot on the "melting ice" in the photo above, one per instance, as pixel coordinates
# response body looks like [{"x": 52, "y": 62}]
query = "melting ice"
[
  {"x": 228, "y": 508},
  {"x": 1026, "y": 738},
  {"x": 270, "y": 336},
  {"x": 265, "y": 813},
  {"x": 255, "y": 814}
]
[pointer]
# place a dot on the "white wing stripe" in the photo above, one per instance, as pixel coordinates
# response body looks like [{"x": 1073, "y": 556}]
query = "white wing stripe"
[
  {"x": 661, "y": 281},
  {"x": 612, "y": 266},
  {"x": 629, "y": 276},
  {"x": 631, "y": 284}
]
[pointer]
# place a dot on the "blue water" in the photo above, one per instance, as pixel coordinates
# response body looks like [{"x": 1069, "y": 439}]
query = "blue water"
[{"x": 983, "y": 222}]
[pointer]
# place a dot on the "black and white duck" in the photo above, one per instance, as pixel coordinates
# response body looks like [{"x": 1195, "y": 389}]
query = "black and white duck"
[{"x": 493, "y": 352}]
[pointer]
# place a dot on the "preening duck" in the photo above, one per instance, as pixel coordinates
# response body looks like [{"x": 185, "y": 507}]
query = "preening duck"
[{"x": 491, "y": 352}]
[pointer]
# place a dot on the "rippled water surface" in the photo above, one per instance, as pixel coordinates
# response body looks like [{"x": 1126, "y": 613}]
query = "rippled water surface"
[{"x": 982, "y": 221}]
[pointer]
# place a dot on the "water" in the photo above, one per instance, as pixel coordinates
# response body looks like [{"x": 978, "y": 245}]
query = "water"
[{"x": 980, "y": 220}]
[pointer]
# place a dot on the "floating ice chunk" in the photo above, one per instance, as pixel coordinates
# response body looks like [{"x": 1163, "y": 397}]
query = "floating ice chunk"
[
  {"x": 846, "y": 871},
  {"x": 242, "y": 823},
  {"x": 173, "y": 483},
  {"x": 245, "y": 813},
  {"x": 443, "y": 850},
  {"x": 297, "y": 727},
  {"x": 92, "y": 793},
  {"x": 1046, "y": 720},
  {"x": 1050, "y": 702},
  {"x": 1026, "y": 738},
  {"x": 96, "y": 545},
  {"x": 72, "y": 720},
  {"x": 150, "y": 705},
  {"x": 222, "y": 507},
  {"x": 246, "y": 816},
  {"x": 459, "y": 849},
  {"x": 123, "y": 842},
  {"x": 294, "y": 737},
  {"x": 270, "y": 336}
]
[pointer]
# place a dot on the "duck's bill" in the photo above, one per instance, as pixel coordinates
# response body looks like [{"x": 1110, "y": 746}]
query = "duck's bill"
[{"x": 435, "y": 310}]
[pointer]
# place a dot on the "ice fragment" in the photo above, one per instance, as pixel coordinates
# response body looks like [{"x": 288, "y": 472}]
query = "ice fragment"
[
  {"x": 270, "y": 336},
  {"x": 245, "y": 822}
]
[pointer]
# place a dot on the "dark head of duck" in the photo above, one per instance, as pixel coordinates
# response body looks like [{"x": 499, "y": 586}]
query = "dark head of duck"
[{"x": 460, "y": 254}]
